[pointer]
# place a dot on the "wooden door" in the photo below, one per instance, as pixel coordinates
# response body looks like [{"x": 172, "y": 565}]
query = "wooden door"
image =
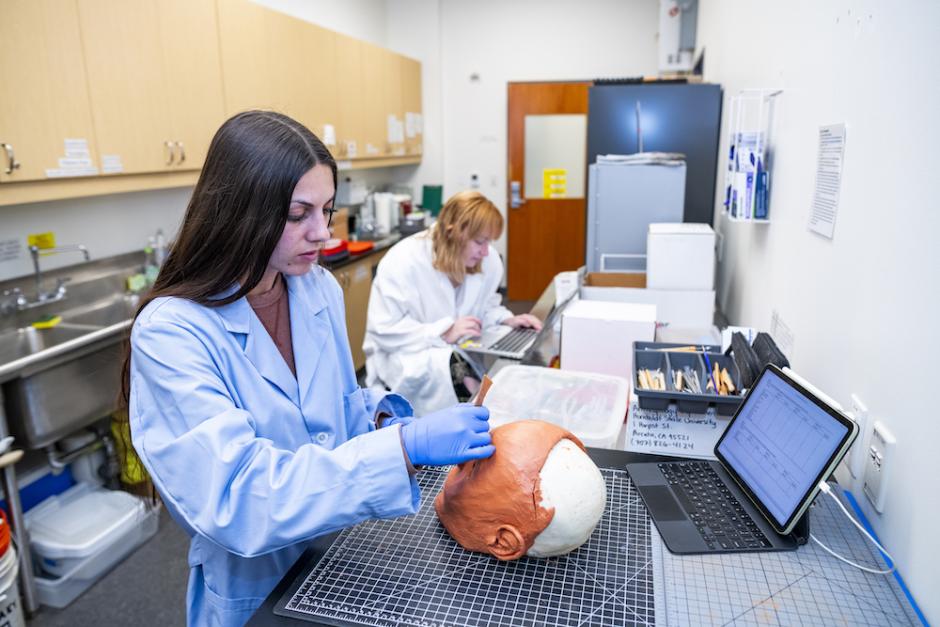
[
  {"x": 127, "y": 84},
  {"x": 190, "y": 39},
  {"x": 545, "y": 236},
  {"x": 44, "y": 97}
]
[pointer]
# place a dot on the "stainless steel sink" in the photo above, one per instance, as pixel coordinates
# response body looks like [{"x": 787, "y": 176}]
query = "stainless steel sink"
[
  {"x": 20, "y": 343},
  {"x": 61, "y": 379}
]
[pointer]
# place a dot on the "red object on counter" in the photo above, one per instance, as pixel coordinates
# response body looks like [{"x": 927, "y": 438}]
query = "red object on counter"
[
  {"x": 357, "y": 248},
  {"x": 334, "y": 247},
  {"x": 4, "y": 533}
]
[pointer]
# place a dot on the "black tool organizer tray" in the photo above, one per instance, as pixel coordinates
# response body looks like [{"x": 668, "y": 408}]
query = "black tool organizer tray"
[{"x": 647, "y": 356}]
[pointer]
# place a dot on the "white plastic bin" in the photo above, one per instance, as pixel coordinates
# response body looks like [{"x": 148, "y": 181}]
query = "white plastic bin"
[
  {"x": 77, "y": 536},
  {"x": 591, "y": 406}
]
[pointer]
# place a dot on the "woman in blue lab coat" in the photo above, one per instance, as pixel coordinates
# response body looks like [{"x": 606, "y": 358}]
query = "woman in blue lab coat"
[{"x": 242, "y": 398}]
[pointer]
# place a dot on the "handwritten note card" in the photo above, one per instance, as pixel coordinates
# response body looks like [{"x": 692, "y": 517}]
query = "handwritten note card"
[{"x": 672, "y": 433}]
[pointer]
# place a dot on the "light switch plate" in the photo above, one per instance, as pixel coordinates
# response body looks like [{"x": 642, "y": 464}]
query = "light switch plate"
[{"x": 857, "y": 454}]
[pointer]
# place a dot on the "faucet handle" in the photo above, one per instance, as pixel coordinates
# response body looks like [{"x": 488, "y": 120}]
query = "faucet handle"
[{"x": 60, "y": 285}]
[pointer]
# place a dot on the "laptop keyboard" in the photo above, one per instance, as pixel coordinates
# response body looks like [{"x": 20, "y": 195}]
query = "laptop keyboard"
[
  {"x": 515, "y": 340},
  {"x": 719, "y": 517}
]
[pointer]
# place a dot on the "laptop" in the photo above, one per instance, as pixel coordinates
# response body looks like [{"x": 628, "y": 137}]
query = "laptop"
[
  {"x": 504, "y": 341},
  {"x": 780, "y": 444}
]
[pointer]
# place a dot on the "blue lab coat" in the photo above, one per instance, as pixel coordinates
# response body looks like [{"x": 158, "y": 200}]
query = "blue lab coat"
[{"x": 251, "y": 461}]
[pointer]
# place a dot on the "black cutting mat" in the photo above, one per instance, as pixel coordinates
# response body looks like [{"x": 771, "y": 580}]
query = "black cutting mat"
[{"x": 409, "y": 571}]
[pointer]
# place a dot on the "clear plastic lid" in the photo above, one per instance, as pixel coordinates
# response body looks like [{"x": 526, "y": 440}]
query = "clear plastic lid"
[{"x": 591, "y": 406}]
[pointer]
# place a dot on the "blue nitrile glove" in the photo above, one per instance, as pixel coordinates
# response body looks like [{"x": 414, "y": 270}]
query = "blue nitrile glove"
[{"x": 450, "y": 436}]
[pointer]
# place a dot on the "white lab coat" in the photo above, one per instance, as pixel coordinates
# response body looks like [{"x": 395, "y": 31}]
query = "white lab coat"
[
  {"x": 411, "y": 305},
  {"x": 250, "y": 460}
]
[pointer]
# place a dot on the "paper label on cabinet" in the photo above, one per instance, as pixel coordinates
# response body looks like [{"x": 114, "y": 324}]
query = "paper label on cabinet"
[
  {"x": 352, "y": 151},
  {"x": 77, "y": 147},
  {"x": 111, "y": 164},
  {"x": 329, "y": 135},
  {"x": 371, "y": 150},
  {"x": 61, "y": 173},
  {"x": 391, "y": 128},
  {"x": 344, "y": 165},
  {"x": 669, "y": 432},
  {"x": 419, "y": 123},
  {"x": 410, "y": 125}
]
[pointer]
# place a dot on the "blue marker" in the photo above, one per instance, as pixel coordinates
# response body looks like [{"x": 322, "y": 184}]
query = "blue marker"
[{"x": 711, "y": 373}]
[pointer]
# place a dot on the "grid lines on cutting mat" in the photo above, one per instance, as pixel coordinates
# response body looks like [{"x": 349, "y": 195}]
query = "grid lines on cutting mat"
[
  {"x": 803, "y": 587},
  {"x": 409, "y": 571}
]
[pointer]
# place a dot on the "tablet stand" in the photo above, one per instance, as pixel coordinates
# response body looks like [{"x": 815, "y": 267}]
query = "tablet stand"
[{"x": 801, "y": 529}]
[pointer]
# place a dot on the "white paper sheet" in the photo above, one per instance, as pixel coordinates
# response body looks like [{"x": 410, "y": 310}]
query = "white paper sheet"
[
  {"x": 828, "y": 179},
  {"x": 671, "y": 433}
]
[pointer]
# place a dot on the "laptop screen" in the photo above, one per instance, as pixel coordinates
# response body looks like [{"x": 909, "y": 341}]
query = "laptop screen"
[{"x": 780, "y": 442}]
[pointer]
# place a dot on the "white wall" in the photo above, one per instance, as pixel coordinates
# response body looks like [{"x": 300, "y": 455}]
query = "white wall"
[
  {"x": 107, "y": 225},
  {"x": 526, "y": 40},
  {"x": 862, "y": 306}
]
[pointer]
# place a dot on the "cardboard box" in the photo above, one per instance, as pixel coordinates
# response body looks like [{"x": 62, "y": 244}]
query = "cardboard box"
[
  {"x": 680, "y": 256},
  {"x": 679, "y": 308},
  {"x": 340, "y": 226},
  {"x": 598, "y": 336}
]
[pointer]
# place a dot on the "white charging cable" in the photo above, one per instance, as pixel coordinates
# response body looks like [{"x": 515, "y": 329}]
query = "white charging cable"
[{"x": 825, "y": 488}]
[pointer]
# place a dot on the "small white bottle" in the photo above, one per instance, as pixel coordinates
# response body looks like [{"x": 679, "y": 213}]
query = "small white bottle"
[{"x": 159, "y": 249}]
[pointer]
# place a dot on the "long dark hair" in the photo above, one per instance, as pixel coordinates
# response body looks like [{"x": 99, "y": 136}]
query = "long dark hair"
[{"x": 237, "y": 212}]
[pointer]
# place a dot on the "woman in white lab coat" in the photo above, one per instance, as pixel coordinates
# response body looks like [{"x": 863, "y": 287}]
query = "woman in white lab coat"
[
  {"x": 242, "y": 398},
  {"x": 431, "y": 290}
]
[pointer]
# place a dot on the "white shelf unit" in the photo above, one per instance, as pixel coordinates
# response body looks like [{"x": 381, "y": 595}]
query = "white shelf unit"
[{"x": 750, "y": 156}]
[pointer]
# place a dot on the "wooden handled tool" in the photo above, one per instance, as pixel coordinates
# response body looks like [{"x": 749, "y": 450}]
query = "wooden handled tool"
[{"x": 484, "y": 388}]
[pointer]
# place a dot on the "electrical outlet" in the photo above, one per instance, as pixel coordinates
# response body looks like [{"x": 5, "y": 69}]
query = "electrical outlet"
[
  {"x": 474, "y": 180},
  {"x": 880, "y": 458},
  {"x": 857, "y": 454}
]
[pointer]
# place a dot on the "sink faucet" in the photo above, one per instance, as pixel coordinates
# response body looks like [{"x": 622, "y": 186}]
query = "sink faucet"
[{"x": 59, "y": 292}]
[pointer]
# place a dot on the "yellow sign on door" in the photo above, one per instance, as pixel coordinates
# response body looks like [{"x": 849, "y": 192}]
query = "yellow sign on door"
[{"x": 554, "y": 183}]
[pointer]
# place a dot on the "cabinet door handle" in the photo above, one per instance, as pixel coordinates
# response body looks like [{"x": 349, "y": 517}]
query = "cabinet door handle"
[
  {"x": 12, "y": 163},
  {"x": 168, "y": 150},
  {"x": 182, "y": 153}
]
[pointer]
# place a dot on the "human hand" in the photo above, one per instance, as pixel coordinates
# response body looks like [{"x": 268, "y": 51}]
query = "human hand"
[
  {"x": 524, "y": 320},
  {"x": 450, "y": 436},
  {"x": 467, "y": 326}
]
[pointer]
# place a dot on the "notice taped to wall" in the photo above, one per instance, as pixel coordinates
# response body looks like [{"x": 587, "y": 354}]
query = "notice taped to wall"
[{"x": 829, "y": 161}]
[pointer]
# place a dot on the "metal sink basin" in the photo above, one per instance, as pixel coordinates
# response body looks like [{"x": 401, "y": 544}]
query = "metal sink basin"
[
  {"x": 58, "y": 380},
  {"x": 20, "y": 343},
  {"x": 105, "y": 313}
]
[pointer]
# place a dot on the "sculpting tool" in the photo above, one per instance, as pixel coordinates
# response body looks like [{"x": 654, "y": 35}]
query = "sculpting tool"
[
  {"x": 711, "y": 373},
  {"x": 484, "y": 388}
]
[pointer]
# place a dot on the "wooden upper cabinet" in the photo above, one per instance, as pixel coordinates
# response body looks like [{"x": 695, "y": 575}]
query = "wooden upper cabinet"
[
  {"x": 394, "y": 105},
  {"x": 411, "y": 102},
  {"x": 189, "y": 37},
  {"x": 243, "y": 42},
  {"x": 373, "y": 66},
  {"x": 127, "y": 84},
  {"x": 44, "y": 99},
  {"x": 274, "y": 61},
  {"x": 348, "y": 93}
]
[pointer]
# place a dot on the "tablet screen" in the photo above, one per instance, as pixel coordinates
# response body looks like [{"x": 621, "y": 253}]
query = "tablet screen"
[{"x": 780, "y": 443}]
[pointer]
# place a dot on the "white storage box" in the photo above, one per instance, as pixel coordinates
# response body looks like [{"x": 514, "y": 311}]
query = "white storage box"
[
  {"x": 77, "y": 536},
  {"x": 680, "y": 256},
  {"x": 598, "y": 336},
  {"x": 679, "y": 308},
  {"x": 591, "y": 406}
]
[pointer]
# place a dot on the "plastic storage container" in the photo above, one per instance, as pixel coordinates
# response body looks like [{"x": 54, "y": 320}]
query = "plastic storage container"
[
  {"x": 591, "y": 406},
  {"x": 77, "y": 536},
  {"x": 647, "y": 356}
]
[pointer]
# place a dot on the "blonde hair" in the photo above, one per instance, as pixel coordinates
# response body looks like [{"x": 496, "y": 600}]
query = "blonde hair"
[{"x": 465, "y": 216}]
